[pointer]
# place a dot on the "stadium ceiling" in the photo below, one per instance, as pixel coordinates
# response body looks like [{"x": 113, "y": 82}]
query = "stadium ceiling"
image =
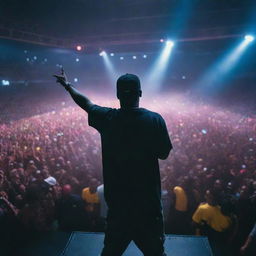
[{"x": 98, "y": 23}]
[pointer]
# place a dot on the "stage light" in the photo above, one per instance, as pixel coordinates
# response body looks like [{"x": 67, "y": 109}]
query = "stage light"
[
  {"x": 249, "y": 38},
  {"x": 170, "y": 43},
  {"x": 183, "y": 77},
  {"x": 25, "y": 51},
  {"x": 45, "y": 60},
  {"x": 77, "y": 59},
  {"x": 5, "y": 82},
  {"x": 79, "y": 48},
  {"x": 121, "y": 58},
  {"x": 102, "y": 53},
  {"x": 75, "y": 80},
  {"x": 145, "y": 56},
  {"x": 134, "y": 57},
  {"x": 161, "y": 40},
  {"x": 27, "y": 59},
  {"x": 112, "y": 54},
  {"x": 35, "y": 58}
]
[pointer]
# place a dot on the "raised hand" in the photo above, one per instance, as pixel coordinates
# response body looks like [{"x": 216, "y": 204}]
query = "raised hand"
[
  {"x": 80, "y": 99},
  {"x": 62, "y": 78}
]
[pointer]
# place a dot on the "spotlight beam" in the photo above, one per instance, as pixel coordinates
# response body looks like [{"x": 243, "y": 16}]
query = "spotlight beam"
[
  {"x": 158, "y": 70},
  {"x": 219, "y": 71},
  {"x": 109, "y": 66}
]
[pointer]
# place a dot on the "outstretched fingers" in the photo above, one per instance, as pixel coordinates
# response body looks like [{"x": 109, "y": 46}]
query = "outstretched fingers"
[
  {"x": 62, "y": 78},
  {"x": 63, "y": 73}
]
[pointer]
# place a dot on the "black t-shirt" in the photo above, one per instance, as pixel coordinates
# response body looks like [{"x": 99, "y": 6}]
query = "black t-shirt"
[{"x": 132, "y": 141}]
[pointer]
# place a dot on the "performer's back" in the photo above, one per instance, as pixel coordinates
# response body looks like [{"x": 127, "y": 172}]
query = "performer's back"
[{"x": 132, "y": 141}]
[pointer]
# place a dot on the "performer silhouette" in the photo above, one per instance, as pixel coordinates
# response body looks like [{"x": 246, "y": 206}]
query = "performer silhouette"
[{"x": 133, "y": 139}]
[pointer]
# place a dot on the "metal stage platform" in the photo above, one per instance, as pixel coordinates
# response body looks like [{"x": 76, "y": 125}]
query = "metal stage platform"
[
  {"x": 90, "y": 244},
  {"x": 57, "y": 243}
]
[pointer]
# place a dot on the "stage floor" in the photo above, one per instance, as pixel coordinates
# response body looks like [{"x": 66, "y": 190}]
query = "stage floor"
[
  {"x": 90, "y": 244},
  {"x": 81, "y": 244}
]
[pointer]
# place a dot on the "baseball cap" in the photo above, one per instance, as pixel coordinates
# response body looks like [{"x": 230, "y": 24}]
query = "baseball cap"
[
  {"x": 51, "y": 181},
  {"x": 128, "y": 83}
]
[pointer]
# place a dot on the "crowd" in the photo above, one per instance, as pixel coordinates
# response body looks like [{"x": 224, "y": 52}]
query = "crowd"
[{"x": 50, "y": 169}]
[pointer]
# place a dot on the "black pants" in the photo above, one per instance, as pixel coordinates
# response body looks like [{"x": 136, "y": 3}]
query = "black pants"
[{"x": 146, "y": 232}]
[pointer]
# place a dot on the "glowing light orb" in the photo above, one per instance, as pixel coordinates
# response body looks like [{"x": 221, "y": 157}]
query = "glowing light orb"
[
  {"x": 249, "y": 38},
  {"x": 79, "y": 48},
  {"x": 204, "y": 131},
  {"x": 170, "y": 43},
  {"x": 102, "y": 53}
]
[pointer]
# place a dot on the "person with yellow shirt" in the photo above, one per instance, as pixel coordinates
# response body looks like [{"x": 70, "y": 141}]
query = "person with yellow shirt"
[
  {"x": 210, "y": 220},
  {"x": 179, "y": 215},
  {"x": 181, "y": 202},
  {"x": 91, "y": 198},
  {"x": 185, "y": 202}
]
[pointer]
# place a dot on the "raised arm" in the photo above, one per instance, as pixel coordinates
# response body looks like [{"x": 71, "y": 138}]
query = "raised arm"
[{"x": 80, "y": 99}]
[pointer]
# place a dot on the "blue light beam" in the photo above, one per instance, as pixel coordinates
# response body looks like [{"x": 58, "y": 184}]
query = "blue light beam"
[
  {"x": 109, "y": 67},
  {"x": 219, "y": 71},
  {"x": 158, "y": 70}
]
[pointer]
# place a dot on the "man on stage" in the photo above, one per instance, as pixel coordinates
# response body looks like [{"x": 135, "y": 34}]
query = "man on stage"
[{"x": 133, "y": 139}]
